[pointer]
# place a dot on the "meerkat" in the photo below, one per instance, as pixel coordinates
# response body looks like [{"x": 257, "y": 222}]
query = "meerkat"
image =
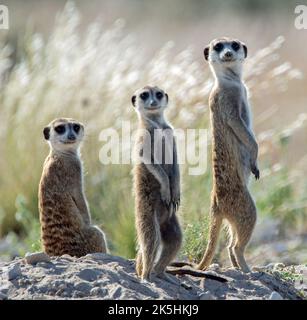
[
  {"x": 156, "y": 186},
  {"x": 64, "y": 213},
  {"x": 234, "y": 152}
]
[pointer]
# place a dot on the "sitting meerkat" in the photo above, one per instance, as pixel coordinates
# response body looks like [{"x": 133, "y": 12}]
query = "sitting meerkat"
[
  {"x": 156, "y": 186},
  {"x": 234, "y": 151},
  {"x": 64, "y": 215}
]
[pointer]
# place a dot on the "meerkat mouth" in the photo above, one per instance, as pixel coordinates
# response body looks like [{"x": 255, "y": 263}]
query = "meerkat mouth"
[
  {"x": 68, "y": 142},
  {"x": 153, "y": 108},
  {"x": 228, "y": 59}
]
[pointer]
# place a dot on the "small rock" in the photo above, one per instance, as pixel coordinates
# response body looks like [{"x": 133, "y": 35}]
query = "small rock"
[
  {"x": 23, "y": 281},
  {"x": 3, "y": 296},
  {"x": 117, "y": 293},
  {"x": 96, "y": 256},
  {"x": 214, "y": 266},
  {"x": 63, "y": 286},
  {"x": 212, "y": 284},
  {"x": 231, "y": 297},
  {"x": 59, "y": 292},
  {"x": 207, "y": 296},
  {"x": 270, "y": 266},
  {"x": 102, "y": 283},
  {"x": 279, "y": 266},
  {"x": 45, "y": 265},
  {"x": 77, "y": 294},
  {"x": 83, "y": 287},
  {"x": 33, "y": 258},
  {"x": 5, "y": 288},
  {"x": 96, "y": 291},
  {"x": 258, "y": 268},
  {"x": 186, "y": 286},
  {"x": 88, "y": 275},
  {"x": 67, "y": 257},
  {"x": 236, "y": 274},
  {"x": 275, "y": 296},
  {"x": 14, "y": 272}
]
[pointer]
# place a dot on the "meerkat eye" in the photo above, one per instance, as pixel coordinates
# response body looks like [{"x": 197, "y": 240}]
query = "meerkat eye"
[
  {"x": 144, "y": 96},
  {"x": 76, "y": 128},
  {"x": 235, "y": 46},
  {"x": 159, "y": 95},
  {"x": 218, "y": 47},
  {"x": 60, "y": 129}
]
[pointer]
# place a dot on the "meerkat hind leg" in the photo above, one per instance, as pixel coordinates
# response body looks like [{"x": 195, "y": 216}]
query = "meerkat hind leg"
[
  {"x": 245, "y": 229},
  {"x": 139, "y": 264},
  {"x": 149, "y": 244},
  {"x": 232, "y": 242},
  {"x": 215, "y": 227},
  {"x": 171, "y": 237},
  {"x": 97, "y": 239}
]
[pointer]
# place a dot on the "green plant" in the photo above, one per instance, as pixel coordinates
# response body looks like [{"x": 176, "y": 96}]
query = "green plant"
[{"x": 30, "y": 226}]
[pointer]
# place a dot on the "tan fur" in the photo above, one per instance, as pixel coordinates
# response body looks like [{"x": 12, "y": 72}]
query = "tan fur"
[
  {"x": 157, "y": 196},
  {"x": 234, "y": 156},
  {"x": 64, "y": 215}
]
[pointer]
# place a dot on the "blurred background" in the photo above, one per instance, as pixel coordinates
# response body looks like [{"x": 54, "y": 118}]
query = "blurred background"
[{"x": 84, "y": 59}]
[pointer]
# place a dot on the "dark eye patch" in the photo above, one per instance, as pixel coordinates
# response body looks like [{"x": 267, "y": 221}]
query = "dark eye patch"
[
  {"x": 159, "y": 95},
  {"x": 235, "y": 46},
  {"x": 76, "y": 128},
  {"x": 144, "y": 96},
  {"x": 60, "y": 129},
  {"x": 218, "y": 47}
]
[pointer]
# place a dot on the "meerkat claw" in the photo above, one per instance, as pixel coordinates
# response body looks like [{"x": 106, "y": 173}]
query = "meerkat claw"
[{"x": 256, "y": 172}]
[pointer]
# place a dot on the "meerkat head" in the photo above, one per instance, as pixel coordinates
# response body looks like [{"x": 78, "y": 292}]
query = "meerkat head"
[
  {"x": 64, "y": 134},
  {"x": 150, "y": 100},
  {"x": 225, "y": 53}
]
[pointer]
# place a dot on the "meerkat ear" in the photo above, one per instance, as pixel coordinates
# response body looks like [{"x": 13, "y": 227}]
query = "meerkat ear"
[
  {"x": 133, "y": 100},
  {"x": 245, "y": 49},
  {"x": 166, "y": 96},
  {"x": 206, "y": 52},
  {"x": 46, "y": 132}
]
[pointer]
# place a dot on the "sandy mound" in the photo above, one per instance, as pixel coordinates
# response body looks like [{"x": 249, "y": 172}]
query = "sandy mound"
[{"x": 102, "y": 276}]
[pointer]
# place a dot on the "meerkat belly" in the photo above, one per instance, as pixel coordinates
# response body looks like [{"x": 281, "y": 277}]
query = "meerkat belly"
[
  {"x": 148, "y": 196},
  {"x": 242, "y": 151},
  {"x": 60, "y": 225},
  {"x": 243, "y": 162},
  {"x": 146, "y": 185},
  {"x": 227, "y": 173}
]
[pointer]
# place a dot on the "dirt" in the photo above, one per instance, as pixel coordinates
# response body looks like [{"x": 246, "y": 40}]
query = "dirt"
[{"x": 102, "y": 276}]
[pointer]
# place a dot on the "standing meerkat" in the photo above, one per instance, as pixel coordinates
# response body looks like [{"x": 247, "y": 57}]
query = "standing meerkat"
[
  {"x": 64, "y": 215},
  {"x": 156, "y": 185},
  {"x": 234, "y": 152}
]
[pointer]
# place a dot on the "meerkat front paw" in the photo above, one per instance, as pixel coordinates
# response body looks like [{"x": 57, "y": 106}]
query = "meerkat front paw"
[
  {"x": 176, "y": 198},
  {"x": 255, "y": 171},
  {"x": 165, "y": 195}
]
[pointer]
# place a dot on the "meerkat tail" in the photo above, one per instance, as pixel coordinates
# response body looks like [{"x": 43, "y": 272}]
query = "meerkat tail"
[
  {"x": 215, "y": 227},
  {"x": 194, "y": 273},
  {"x": 180, "y": 264}
]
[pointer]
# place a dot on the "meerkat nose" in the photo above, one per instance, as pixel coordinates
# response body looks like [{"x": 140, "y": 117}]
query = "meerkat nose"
[
  {"x": 228, "y": 54},
  {"x": 71, "y": 137},
  {"x": 153, "y": 103}
]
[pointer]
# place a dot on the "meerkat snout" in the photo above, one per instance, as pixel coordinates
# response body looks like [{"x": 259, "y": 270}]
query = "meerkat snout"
[
  {"x": 228, "y": 54},
  {"x": 225, "y": 50},
  {"x": 64, "y": 134}
]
